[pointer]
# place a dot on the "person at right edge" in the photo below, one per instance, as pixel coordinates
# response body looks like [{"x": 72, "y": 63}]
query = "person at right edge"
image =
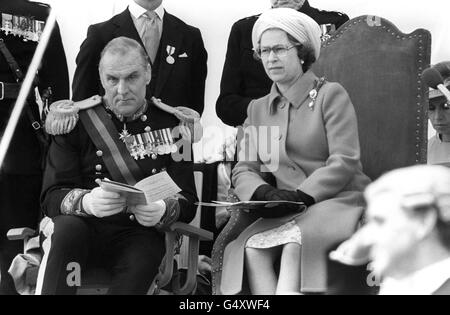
[{"x": 244, "y": 78}]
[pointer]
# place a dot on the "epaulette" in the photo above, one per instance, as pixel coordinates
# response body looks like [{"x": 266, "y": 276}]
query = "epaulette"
[
  {"x": 187, "y": 116},
  {"x": 63, "y": 115}
]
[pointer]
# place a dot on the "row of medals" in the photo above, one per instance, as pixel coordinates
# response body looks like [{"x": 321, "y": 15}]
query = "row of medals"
[
  {"x": 150, "y": 143},
  {"x": 28, "y": 28}
]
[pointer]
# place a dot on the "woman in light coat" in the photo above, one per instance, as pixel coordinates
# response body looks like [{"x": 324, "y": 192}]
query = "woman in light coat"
[{"x": 314, "y": 159}]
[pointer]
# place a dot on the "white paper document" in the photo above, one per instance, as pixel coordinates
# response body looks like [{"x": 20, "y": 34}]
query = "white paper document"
[{"x": 149, "y": 190}]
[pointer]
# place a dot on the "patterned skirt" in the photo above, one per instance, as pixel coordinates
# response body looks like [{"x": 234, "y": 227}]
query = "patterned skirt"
[{"x": 285, "y": 234}]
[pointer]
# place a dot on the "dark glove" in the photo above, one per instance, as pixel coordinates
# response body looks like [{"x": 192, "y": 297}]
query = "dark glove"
[{"x": 269, "y": 193}]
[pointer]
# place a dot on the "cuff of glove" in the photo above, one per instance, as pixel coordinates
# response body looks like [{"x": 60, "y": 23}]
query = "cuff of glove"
[
  {"x": 307, "y": 199},
  {"x": 261, "y": 191}
]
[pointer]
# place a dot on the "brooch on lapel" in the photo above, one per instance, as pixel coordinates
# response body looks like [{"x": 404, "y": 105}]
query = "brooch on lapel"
[
  {"x": 314, "y": 92},
  {"x": 170, "y": 52}
]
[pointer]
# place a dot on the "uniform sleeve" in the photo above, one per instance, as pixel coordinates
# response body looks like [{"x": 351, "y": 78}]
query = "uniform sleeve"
[
  {"x": 343, "y": 144},
  {"x": 231, "y": 106},
  {"x": 86, "y": 81},
  {"x": 183, "y": 175},
  {"x": 62, "y": 178},
  {"x": 54, "y": 72},
  {"x": 199, "y": 72}
]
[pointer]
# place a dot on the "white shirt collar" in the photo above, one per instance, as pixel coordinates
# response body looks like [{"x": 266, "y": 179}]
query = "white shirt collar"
[
  {"x": 423, "y": 282},
  {"x": 137, "y": 11}
]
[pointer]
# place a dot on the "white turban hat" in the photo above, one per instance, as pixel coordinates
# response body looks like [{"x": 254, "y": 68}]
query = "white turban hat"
[{"x": 297, "y": 24}]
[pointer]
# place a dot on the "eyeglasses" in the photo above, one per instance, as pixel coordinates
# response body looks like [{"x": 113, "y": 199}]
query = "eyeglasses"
[
  {"x": 433, "y": 105},
  {"x": 279, "y": 50}
]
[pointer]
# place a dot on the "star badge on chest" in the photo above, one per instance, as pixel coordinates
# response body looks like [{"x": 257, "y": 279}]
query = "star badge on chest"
[{"x": 124, "y": 135}]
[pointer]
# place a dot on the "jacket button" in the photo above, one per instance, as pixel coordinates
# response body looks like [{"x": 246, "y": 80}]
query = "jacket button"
[
  {"x": 99, "y": 153},
  {"x": 98, "y": 168},
  {"x": 154, "y": 171},
  {"x": 132, "y": 218},
  {"x": 154, "y": 157}
]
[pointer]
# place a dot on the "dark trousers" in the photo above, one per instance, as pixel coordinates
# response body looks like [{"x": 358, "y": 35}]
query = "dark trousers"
[
  {"x": 130, "y": 252},
  {"x": 19, "y": 207}
]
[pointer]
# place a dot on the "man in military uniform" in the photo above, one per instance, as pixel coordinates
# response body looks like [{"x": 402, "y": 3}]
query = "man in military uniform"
[
  {"x": 244, "y": 78},
  {"x": 125, "y": 139},
  {"x": 22, "y": 23}
]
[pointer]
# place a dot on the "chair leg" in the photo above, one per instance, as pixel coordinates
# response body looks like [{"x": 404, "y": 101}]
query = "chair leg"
[
  {"x": 191, "y": 281},
  {"x": 165, "y": 276}
]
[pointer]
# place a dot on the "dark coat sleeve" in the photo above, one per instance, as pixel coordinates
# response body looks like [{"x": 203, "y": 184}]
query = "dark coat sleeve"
[
  {"x": 198, "y": 79},
  {"x": 86, "y": 81},
  {"x": 231, "y": 107},
  {"x": 183, "y": 175},
  {"x": 63, "y": 172},
  {"x": 54, "y": 72}
]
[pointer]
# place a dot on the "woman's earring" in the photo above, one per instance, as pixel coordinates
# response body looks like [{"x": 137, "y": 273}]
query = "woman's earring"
[{"x": 302, "y": 62}]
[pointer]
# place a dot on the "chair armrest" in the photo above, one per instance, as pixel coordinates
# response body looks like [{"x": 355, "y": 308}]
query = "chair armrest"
[
  {"x": 192, "y": 231},
  {"x": 20, "y": 234}
]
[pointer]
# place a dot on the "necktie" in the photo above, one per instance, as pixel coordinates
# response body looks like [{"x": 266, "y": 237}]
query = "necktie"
[{"x": 150, "y": 34}]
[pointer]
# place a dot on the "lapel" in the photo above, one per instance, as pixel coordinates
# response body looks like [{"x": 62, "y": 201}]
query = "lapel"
[
  {"x": 125, "y": 27},
  {"x": 171, "y": 36}
]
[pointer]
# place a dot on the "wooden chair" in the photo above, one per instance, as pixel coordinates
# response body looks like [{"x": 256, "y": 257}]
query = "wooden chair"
[
  {"x": 96, "y": 281},
  {"x": 380, "y": 67}
]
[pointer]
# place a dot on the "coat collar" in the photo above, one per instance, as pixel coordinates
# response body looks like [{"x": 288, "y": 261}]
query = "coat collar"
[
  {"x": 305, "y": 7},
  {"x": 137, "y": 11},
  {"x": 171, "y": 36},
  {"x": 125, "y": 26},
  {"x": 296, "y": 94}
]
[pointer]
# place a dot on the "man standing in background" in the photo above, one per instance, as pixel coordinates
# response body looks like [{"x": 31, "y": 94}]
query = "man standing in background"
[
  {"x": 22, "y": 23},
  {"x": 176, "y": 51},
  {"x": 244, "y": 78}
]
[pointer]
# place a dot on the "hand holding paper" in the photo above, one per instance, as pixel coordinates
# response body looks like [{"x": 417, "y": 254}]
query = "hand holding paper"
[
  {"x": 149, "y": 190},
  {"x": 149, "y": 215},
  {"x": 101, "y": 203}
]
